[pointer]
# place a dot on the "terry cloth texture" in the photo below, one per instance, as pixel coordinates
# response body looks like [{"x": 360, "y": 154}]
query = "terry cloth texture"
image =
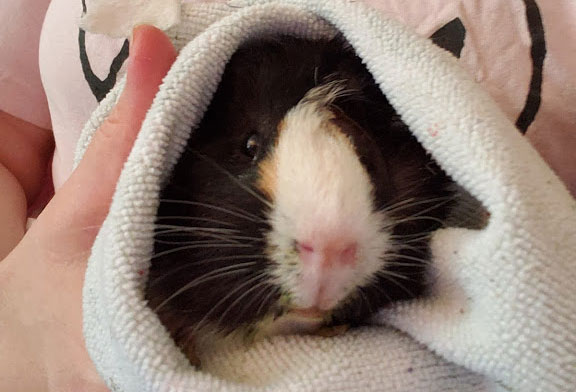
[{"x": 503, "y": 311}]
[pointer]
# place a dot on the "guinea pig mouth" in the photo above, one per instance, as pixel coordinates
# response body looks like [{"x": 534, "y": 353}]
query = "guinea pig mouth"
[
  {"x": 297, "y": 321},
  {"x": 311, "y": 313}
]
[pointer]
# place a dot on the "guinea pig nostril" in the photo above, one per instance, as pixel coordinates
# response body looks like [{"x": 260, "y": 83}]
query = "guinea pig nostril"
[
  {"x": 348, "y": 254},
  {"x": 350, "y": 251},
  {"x": 304, "y": 247}
]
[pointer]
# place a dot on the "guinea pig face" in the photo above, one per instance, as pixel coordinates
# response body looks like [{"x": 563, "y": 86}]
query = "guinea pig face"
[
  {"x": 300, "y": 200},
  {"x": 327, "y": 237}
]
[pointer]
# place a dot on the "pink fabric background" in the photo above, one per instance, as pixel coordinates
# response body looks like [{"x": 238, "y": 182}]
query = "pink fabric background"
[{"x": 21, "y": 92}]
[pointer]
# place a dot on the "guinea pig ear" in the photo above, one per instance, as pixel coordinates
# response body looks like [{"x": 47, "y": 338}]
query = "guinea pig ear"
[
  {"x": 342, "y": 43},
  {"x": 340, "y": 62}
]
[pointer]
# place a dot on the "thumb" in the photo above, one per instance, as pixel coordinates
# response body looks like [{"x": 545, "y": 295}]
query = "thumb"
[{"x": 79, "y": 207}]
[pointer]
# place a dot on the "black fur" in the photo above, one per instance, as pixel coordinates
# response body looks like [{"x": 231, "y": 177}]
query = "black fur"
[{"x": 263, "y": 80}]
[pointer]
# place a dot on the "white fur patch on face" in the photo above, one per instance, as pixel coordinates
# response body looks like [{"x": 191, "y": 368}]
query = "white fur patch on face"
[{"x": 322, "y": 203}]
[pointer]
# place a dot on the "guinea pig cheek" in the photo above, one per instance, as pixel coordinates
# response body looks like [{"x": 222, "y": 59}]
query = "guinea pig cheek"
[{"x": 326, "y": 239}]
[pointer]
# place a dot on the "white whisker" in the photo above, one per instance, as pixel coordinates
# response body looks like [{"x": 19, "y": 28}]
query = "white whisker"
[
  {"x": 218, "y": 273},
  {"x": 194, "y": 218},
  {"x": 199, "y": 246},
  {"x": 213, "y": 207},
  {"x": 233, "y": 178}
]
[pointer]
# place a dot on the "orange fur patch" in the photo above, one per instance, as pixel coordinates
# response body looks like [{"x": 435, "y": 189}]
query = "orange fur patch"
[
  {"x": 268, "y": 176},
  {"x": 268, "y": 169}
]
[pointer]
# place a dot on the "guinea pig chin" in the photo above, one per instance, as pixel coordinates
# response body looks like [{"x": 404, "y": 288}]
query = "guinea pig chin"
[{"x": 326, "y": 237}]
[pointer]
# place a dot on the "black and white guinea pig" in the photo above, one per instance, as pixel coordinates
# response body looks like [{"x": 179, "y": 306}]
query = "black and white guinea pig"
[{"x": 302, "y": 200}]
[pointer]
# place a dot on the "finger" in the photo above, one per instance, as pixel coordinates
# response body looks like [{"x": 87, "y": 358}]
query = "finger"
[
  {"x": 81, "y": 204},
  {"x": 42, "y": 278}
]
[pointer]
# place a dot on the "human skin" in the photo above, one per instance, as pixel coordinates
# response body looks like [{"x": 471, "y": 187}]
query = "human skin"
[
  {"x": 41, "y": 278},
  {"x": 25, "y": 152}
]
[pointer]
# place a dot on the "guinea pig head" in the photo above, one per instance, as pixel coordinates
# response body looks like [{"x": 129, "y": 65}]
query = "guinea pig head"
[{"x": 300, "y": 200}]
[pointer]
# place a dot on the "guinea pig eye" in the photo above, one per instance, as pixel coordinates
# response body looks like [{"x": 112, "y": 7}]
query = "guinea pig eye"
[{"x": 252, "y": 146}]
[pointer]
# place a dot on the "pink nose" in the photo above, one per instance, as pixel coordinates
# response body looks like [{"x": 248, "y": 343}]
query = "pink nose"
[{"x": 329, "y": 255}]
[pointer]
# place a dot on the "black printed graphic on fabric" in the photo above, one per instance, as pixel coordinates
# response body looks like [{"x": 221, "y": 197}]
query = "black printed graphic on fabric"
[
  {"x": 451, "y": 37},
  {"x": 538, "y": 55},
  {"x": 100, "y": 87}
]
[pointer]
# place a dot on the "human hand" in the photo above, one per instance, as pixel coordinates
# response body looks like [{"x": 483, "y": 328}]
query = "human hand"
[{"x": 41, "y": 343}]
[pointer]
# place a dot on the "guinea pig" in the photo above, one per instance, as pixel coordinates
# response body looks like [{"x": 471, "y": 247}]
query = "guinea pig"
[{"x": 301, "y": 201}]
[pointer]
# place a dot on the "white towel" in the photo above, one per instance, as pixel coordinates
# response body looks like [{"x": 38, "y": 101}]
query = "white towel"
[{"x": 503, "y": 311}]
